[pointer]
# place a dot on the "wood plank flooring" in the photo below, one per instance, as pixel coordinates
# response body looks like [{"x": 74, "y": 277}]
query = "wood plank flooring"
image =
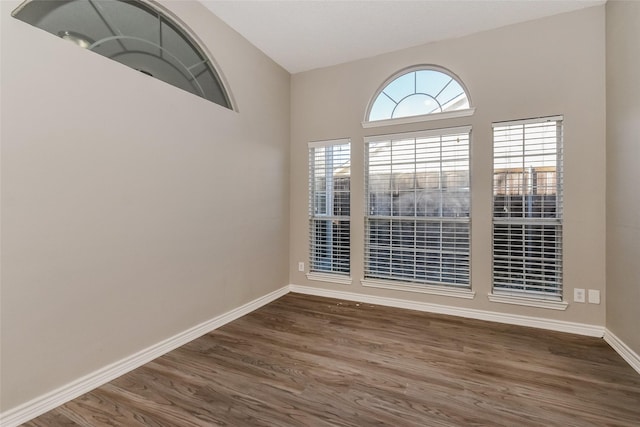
[{"x": 312, "y": 361}]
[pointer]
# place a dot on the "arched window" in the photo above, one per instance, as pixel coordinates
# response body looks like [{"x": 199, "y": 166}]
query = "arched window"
[
  {"x": 135, "y": 33},
  {"x": 420, "y": 91}
]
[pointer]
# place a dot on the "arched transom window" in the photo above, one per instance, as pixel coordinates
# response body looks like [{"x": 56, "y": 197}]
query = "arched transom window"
[
  {"x": 417, "y": 92},
  {"x": 135, "y": 33}
]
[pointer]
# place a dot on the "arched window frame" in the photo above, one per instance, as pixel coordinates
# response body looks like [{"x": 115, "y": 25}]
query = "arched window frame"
[
  {"x": 417, "y": 118},
  {"x": 170, "y": 19}
]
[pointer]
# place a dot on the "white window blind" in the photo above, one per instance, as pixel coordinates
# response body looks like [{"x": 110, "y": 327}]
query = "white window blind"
[
  {"x": 329, "y": 206},
  {"x": 417, "y": 207},
  {"x": 527, "y": 208}
]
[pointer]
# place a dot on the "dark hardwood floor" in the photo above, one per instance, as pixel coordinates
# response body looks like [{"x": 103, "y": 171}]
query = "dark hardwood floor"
[{"x": 311, "y": 361}]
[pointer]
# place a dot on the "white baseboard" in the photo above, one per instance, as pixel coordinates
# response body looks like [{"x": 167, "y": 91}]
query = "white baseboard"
[
  {"x": 630, "y": 356},
  {"x": 512, "y": 319},
  {"x": 55, "y": 398}
]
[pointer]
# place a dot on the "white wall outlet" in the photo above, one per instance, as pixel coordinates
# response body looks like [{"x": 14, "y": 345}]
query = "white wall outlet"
[
  {"x": 578, "y": 295},
  {"x": 594, "y": 296},
  {"x": 301, "y": 266}
]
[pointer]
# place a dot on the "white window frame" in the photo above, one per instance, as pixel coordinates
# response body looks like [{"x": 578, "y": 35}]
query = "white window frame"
[
  {"x": 417, "y": 284},
  {"x": 331, "y": 266},
  {"x": 417, "y": 118},
  {"x": 528, "y": 271}
]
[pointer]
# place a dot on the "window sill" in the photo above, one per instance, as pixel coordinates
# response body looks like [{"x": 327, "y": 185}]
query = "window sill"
[
  {"x": 418, "y": 119},
  {"x": 328, "y": 277},
  {"x": 528, "y": 301},
  {"x": 424, "y": 289}
]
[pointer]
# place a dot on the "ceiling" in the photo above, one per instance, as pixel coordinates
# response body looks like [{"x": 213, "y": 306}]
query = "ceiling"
[{"x": 302, "y": 35}]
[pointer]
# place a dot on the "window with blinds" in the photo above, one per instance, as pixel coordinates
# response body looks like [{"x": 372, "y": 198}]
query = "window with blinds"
[
  {"x": 417, "y": 207},
  {"x": 527, "y": 208},
  {"x": 329, "y": 206}
]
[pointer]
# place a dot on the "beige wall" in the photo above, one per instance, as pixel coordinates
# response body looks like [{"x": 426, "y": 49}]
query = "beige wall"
[
  {"x": 623, "y": 172},
  {"x": 550, "y": 66},
  {"x": 131, "y": 210}
]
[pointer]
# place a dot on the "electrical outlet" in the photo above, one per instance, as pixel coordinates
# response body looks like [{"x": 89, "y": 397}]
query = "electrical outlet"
[
  {"x": 594, "y": 296},
  {"x": 578, "y": 295},
  {"x": 301, "y": 266}
]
